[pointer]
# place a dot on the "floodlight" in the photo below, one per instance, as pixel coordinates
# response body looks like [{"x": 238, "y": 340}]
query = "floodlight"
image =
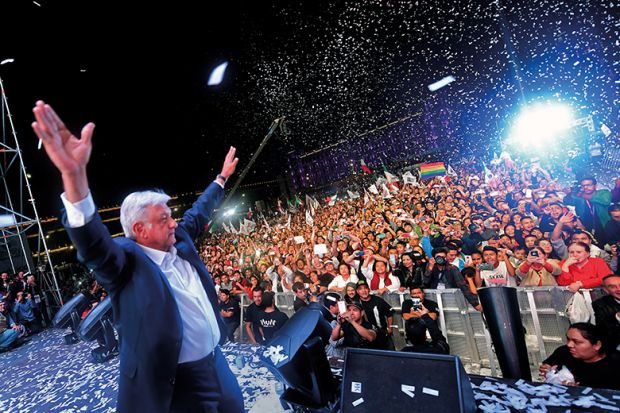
[{"x": 539, "y": 125}]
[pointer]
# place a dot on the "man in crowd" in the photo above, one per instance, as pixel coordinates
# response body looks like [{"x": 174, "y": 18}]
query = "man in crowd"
[
  {"x": 411, "y": 307},
  {"x": 354, "y": 330},
  {"x": 23, "y": 312},
  {"x": 440, "y": 274},
  {"x": 497, "y": 269},
  {"x": 380, "y": 315},
  {"x": 270, "y": 319},
  {"x": 9, "y": 330},
  {"x": 612, "y": 228},
  {"x": 416, "y": 334},
  {"x": 302, "y": 297},
  {"x": 607, "y": 308},
  {"x": 591, "y": 205},
  {"x": 250, "y": 317},
  {"x": 229, "y": 310},
  {"x": 174, "y": 364}
]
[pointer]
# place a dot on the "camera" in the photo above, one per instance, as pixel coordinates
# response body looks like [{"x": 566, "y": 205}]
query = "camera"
[
  {"x": 534, "y": 253},
  {"x": 416, "y": 302},
  {"x": 440, "y": 260}
]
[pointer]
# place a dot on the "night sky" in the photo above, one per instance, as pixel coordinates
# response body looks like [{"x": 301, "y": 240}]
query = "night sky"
[{"x": 334, "y": 68}]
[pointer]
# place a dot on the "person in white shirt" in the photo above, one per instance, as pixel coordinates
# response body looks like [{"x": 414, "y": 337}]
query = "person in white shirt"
[
  {"x": 339, "y": 283},
  {"x": 162, "y": 295},
  {"x": 497, "y": 269}
]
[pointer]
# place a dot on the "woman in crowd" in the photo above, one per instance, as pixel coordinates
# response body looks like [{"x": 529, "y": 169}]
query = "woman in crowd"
[
  {"x": 537, "y": 270},
  {"x": 344, "y": 277},
  {"x": 588, "y": 357},
  {"x": 580, "y": 270},
  {"x": 410, "y": 271},
  {"x": 351, "y": 293},
  {"x": 380, "y": 279}
]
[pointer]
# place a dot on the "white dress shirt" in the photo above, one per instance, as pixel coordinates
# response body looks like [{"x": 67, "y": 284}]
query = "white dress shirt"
[{"x": 201, "y": 332}]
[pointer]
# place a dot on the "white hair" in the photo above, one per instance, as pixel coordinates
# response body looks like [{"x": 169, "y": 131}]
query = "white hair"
[{"x": 134, "y": 207}]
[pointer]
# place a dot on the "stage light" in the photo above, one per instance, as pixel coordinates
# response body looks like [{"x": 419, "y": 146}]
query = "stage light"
[
  {"x": 70, "y": 314},
  {"x": 230, "y": 212},
  {"x": 98, "y": 326},
  {"x": 538, "y": 127}
]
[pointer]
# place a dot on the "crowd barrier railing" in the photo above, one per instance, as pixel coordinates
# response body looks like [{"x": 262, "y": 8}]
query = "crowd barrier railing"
[{"x": 543, "y": 312}]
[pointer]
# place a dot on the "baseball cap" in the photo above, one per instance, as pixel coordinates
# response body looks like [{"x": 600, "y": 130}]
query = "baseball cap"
[
  {"x": 361, "y": 282},
  {"x": 355, "y": 304}
]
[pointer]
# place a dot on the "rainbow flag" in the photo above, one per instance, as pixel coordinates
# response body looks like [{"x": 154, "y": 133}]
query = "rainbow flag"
[{"x": 431, "y": 170}]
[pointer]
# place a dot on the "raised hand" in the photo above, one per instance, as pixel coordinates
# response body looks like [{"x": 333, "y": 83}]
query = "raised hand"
[
  {"x": 68, "y": 153},
  {"x": 230, "y": 163}
]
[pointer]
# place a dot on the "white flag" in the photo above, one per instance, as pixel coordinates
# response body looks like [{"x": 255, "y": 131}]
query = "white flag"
[
  {"x": 353, "y": 195},
  {"x": 390, "y": 177},
  {"x": 373, "y": 189},
  {"x": 408, "y": 178},
  {"x": 226, "y": 229},
  {"x": 451, "y": 172},
  {"x": 366, "y": 197},
  {"x": 385, "y": 192},
  {"x": 309, "y": 219}
]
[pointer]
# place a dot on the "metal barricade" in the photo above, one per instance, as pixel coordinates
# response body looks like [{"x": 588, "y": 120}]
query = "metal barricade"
[{"x": 542, "y": 312}]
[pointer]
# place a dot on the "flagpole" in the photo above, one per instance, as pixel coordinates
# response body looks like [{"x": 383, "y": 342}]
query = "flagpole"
[{"x": 277, "y": 122}]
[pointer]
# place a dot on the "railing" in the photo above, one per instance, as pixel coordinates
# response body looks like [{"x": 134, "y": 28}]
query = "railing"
[{"x": 542, "y": 312}]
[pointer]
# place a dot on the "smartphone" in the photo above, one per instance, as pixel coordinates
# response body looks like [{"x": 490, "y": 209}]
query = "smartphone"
[
  {"x": 342, "y": 307},
  {"x": 528, "y": 193},
  {"x": 416, "y": 302}
]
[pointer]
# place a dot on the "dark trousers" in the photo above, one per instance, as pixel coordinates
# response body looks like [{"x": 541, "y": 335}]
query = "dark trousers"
[
  {"x": 206, "y": 386},
  {"x": 231, "y": 328}
]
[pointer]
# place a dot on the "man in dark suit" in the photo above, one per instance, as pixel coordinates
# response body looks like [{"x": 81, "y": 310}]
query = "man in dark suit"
[
  {"x": 607, "y": 309},
  {"x": 163, "y": 297}
]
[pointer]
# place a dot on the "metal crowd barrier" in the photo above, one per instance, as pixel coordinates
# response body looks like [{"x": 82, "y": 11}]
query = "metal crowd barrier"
[{"x": 542, "y": 312}]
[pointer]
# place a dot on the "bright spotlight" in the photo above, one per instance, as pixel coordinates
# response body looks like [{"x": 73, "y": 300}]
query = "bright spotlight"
[
  {"x": 229, "y": 212},
  {"x": 537, "y": 126}
]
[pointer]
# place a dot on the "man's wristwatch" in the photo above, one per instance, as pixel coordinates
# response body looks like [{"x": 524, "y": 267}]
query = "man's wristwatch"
[{"x": 222, "y": 177}]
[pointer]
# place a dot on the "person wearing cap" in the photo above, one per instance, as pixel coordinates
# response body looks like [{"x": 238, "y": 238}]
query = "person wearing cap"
[
  {"x": 330, "y": 301},
  {"x": 353, "y": 329},
  {"x": 379, "y": 313}
]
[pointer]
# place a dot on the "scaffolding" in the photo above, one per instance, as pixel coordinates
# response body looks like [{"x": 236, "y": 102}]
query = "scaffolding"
[{"x": 20, "y": 218}]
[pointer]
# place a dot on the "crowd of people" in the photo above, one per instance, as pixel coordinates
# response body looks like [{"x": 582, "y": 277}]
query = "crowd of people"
[
  {"x": 23, "y": 309},
  {"x": 511, "y": 225}
]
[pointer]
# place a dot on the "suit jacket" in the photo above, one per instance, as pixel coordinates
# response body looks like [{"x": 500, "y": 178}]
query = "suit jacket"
[
  {"x": 145, "y": 311},
  {"x": 605, "y": 309}
]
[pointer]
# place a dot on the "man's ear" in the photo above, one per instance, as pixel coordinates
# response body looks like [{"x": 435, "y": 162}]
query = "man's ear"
[{"x": 138, "y": 229}]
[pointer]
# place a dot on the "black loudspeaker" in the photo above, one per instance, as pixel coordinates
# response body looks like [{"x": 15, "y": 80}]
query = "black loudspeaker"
[
  {"x": 98, "y": 326},
  {"x": 501, "y": 312},
  {"x": 391, "y": 381}
]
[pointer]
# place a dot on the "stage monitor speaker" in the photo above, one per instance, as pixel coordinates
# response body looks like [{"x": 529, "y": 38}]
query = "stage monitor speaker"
[{"x": 391, "y": 381}]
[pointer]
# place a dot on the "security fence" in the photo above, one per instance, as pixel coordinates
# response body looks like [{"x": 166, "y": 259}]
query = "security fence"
[{"x": 542, "y": 312}]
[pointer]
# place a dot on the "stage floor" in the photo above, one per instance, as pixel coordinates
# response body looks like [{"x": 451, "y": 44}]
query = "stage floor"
[{"x": 45, "y": 375}]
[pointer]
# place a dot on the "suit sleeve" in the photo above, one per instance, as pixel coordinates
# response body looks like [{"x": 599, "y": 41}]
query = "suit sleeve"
[
  {"x": 195, "y": 219},
  {"x": 98, "y": 251}
]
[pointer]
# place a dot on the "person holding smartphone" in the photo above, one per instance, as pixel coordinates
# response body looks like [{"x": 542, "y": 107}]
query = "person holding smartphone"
[
  {"x": 536, "y": 270},
  {"x": 356, "y": 331}
]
